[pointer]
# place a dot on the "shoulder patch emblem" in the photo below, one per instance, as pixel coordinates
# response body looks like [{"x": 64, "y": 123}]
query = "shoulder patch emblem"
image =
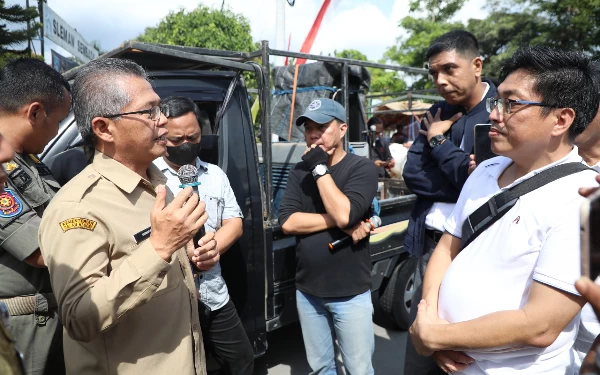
[
  {"x": 10, "y": 166},
  {"x": 10, "y": 205},
  {"x": 78, "y": 223}
]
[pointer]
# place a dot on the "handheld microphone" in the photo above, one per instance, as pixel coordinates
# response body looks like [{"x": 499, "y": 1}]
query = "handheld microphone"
[
  {"x": 188, "y": 175},
  {"x": 374, "y": 221}
]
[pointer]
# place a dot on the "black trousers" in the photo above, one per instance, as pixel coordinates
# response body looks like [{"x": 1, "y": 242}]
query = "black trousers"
[
  {"x": 225, "y": 338},
  {"x": 415, "y": 364}
]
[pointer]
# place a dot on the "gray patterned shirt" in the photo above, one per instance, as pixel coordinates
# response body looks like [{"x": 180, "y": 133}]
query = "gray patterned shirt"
[{"x": 221, "y": 205}]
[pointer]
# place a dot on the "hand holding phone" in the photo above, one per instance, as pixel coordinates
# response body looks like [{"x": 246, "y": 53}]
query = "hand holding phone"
[
  {"x": 590, "y": 236},
  {"x": 482, "y": 143}
]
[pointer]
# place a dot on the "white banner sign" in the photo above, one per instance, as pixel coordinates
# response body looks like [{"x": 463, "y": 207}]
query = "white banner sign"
[{"x": 58, "y": 31}]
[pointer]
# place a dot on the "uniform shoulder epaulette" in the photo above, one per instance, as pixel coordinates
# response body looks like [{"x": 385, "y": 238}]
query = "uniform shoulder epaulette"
[{"x": 79, "y": 185}]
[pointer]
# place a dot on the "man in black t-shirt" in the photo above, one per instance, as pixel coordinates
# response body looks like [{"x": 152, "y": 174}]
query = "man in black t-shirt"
[{"x": 328, "y": 197}]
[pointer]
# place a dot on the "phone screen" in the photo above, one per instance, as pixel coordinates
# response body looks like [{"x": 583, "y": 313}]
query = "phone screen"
[
  {"x": 594, "y": 236},
  {"x": 483, "y": 144}
]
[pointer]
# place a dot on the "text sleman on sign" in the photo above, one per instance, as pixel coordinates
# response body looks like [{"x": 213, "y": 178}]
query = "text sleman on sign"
[{"x": 58, "y": 31}]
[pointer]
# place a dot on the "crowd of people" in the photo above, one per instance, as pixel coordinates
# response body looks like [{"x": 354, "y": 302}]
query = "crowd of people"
[{"x": 88, "y": 271}]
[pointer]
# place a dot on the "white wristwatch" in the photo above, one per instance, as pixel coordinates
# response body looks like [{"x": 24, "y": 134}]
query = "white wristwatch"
[{"x": 319, "y": 171}]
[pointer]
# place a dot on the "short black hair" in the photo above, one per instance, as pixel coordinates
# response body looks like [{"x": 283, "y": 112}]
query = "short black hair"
[
  {"x": 177, "y": 106},
  {"x": 374, "y": 121},
  {"x": 24, "y": 81},
  {"x": 460, "y": 41},
  {"x": 564, "y": 79},
  {"x": 596, "y": 73}
]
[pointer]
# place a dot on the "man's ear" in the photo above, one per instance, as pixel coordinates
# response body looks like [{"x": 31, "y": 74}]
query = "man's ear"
[
  {"x": 564, "y": 120},
  {"x": 477, "y": 66},
  {"x": 343, "y": 129},
  {"x": 102, "y": 128},
  {"x": 35, "y": 113}
]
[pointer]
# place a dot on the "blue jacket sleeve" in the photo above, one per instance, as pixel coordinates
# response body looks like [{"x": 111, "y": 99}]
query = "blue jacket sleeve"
[{"x": 437, "y": 175}]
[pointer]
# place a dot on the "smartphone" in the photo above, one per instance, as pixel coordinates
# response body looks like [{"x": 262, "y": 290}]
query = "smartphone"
[
  {"x": 482, "y": 143},
  {"x": 590, "y": 236}
]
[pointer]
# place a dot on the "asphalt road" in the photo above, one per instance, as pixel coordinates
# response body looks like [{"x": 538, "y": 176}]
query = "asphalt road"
[{"x": 286, "y": 355}]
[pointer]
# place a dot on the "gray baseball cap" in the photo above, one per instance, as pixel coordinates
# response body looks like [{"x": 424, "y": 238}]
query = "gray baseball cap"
[{"x": 322, "y": 111}]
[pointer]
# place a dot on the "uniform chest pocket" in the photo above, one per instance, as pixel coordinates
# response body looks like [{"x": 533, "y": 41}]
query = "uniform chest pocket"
[
  {"x": 171, "y": 280},
  {"x": 55, "y": 186},
  {"x": 214, "y": 207}
]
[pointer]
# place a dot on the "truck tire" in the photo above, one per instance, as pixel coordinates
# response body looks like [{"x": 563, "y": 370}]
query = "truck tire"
[
  {"x": 396, "y": 299},
  {"x": 379, "y": 317}
]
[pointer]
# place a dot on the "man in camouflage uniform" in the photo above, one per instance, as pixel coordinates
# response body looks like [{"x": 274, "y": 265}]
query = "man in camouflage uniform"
[{"x": 35, "y": 99}]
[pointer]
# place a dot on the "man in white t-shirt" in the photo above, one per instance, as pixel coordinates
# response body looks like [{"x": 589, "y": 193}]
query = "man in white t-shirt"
[{"x": 509, "y": 294}]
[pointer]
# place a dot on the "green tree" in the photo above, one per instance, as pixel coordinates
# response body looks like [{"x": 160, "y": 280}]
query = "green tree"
[
  {"x": 202, "y": 27},
  {"x": 10, "y": 39},
  {"x": 205, "y": 27},
  {"x": 381, "y": 80},
  {"x": 566, "y": 24},
  {"x": 421, "y": 31}
]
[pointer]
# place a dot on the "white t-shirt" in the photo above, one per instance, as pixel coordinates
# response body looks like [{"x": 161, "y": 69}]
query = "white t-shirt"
[
  {"x": 440, "y": 211},
  {"x": 538, "y": 239}
]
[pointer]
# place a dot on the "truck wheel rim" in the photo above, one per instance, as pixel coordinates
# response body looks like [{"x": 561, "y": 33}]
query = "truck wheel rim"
[{"x": 409, "y": 291}]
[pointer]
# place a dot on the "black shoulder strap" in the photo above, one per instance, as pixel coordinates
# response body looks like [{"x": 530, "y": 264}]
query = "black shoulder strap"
[{"x": 490, "y": 212}]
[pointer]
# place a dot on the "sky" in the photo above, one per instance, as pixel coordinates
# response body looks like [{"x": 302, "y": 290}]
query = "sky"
[{"x": 368, "y": 26}]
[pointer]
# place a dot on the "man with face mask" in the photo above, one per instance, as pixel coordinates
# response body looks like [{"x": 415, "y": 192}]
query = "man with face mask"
[{"x": 222, "y": 330}]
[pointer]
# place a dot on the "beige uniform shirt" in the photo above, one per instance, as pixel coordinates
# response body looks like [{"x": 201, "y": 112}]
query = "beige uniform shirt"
[{"x": 125, "y": 310}]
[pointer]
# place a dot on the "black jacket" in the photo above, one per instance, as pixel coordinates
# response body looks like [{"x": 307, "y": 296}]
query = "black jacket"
[{"x": 438, "y": 175}]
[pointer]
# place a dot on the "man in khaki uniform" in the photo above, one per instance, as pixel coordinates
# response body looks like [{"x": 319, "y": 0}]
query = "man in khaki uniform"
[
  {"x": 35, "y": 99},
  {"x": 115, "y": 252}
]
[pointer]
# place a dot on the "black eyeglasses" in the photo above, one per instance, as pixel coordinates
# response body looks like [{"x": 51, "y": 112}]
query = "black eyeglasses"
[
  {"x": 154, "y": 113},
  {"x": 505, "y": 105}
]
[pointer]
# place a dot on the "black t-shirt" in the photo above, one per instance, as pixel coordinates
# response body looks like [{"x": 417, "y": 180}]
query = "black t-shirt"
[{"x": 321, "y": 272}]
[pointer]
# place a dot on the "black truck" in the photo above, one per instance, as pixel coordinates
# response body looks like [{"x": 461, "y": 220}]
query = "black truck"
[{"x": 260, "y": 268}]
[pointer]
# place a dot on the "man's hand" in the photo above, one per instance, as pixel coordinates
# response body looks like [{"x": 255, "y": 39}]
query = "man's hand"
[
  {"x": 472, "y": 164},
  {"x": 435, "y": 126},
  {"x": 380, "y": 163},
  {"x": 359, "y": 231},
  {"x": 391, "y": 164},
  {"x": 174, "y": 225},
  {"x": 451, "y": 361},
  {"x": 207, "y": 255},
  {"x": 586, "y": 192},
  {"x": 314, "y": 156},
  {"x": 421, "y": 330}
]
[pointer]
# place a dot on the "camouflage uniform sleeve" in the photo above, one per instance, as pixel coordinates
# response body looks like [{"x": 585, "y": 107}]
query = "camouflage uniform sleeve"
[{"x": 19, "y": 225}]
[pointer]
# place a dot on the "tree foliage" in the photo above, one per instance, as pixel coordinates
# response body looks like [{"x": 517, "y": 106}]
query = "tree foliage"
[
  {"x": 567, "y": 24},
  {"x": 202, "y": 27},
  {"x": 9, "y": 39},
  {"x": 381, "y": 80}
]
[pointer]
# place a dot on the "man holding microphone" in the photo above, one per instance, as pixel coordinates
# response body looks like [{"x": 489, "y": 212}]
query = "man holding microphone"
[
  {"x": 328, "y": 196},
  {"x": 115, "y": 241}
]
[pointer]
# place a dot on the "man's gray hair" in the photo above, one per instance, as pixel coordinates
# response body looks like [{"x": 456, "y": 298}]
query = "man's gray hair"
[{"x": 96, "y": 92}]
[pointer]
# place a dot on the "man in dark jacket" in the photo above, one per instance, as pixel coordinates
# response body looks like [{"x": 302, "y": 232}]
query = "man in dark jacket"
[
  {"x": 380, "y": 148},
  {"x": 438, "y": 161}
]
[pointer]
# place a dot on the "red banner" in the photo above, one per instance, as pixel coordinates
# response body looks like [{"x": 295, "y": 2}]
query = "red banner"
[{"x": 306, "y": 47}]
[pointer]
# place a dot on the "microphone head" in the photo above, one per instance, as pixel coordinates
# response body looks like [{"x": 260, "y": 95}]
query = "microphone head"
[
  {"x": 376, "y": 221},
  {"x": 187, "y": 174}
]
